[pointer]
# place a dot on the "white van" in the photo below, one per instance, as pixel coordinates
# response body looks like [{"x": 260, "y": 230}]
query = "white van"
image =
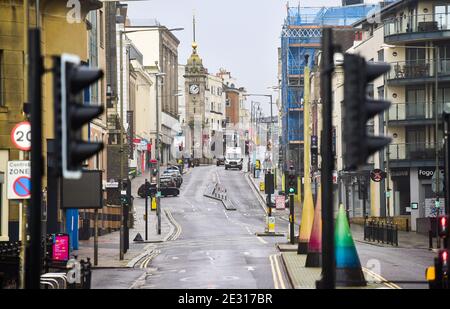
[{"x": 233, "y": 158}]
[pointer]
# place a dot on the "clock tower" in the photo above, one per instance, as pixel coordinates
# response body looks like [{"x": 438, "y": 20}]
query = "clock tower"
[{"x": 195, "y": 85}]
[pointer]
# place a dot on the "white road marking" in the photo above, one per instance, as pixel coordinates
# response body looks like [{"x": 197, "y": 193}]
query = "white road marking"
[
  {"x": 248, "y": 230},
  {"x": 250, "y": 268},
  {"x": 262, "y": 240}
]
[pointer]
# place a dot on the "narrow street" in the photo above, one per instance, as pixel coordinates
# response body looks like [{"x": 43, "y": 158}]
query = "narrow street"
[{"x": 216, "y": 248}]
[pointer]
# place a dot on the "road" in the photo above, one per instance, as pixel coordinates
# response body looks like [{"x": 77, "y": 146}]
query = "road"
[
  {"x": 402, "y": 266},
  {"x": 216, "y": 248}
]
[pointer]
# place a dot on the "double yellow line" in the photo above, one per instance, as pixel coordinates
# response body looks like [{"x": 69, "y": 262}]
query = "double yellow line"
[
  {"x": 177, "y": 226},
  {"x": 276, "y": 272},
  {"x": 150, "y": 257},
  {"x": 381, "y": 279}
]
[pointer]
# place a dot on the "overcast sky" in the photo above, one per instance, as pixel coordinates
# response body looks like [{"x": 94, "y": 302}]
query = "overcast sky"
[{"x": 239, "y": 35}]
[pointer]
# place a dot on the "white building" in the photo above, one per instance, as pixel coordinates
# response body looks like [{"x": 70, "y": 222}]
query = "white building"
[{"x": 159, "y": 48}]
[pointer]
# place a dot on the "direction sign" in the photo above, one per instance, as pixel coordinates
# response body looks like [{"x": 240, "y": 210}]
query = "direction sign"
[
  {"x": 19, "y": 180},
  {"x": 21, "y": 136}
]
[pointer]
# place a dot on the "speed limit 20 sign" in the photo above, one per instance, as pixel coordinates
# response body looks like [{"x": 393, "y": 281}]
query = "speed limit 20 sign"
[{"x": 21, "y": 135}]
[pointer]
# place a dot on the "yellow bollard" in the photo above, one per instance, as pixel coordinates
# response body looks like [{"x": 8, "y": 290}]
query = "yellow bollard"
[{"x": 261, "y": 186}]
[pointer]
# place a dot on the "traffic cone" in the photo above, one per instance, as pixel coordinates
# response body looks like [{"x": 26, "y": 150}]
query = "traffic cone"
[
  {"x": 314, "y": 257},
  {"x": 307, "y": 220},
  {"x": 138, "y": 237},
  {"x": 348, "y": 266}
]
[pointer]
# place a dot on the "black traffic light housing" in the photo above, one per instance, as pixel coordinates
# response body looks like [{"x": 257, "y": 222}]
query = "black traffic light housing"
[
  {"x": 359, "y": 108},
  {"x": 443, "y": 226},
  {"x": 292, "y": 182},
  {"x": 71, "y": 114}
]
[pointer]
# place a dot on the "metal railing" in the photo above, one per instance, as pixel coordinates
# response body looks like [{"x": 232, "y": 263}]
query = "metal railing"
[
  {"x": 386, "y": 233},
  {"x": 414, "y": 111},
  {"x": 9, "y": 264},
  {"x": 421, "y": 68},
  {"x": 413, "y": 151},
  {"x": 417, "y": 23}
]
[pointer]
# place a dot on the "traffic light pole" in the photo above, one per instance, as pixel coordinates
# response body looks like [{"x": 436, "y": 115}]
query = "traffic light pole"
[
  {"x": 291, "y": 219},
  {"x": 121, "y": 151},
  {"x": 327, "y": 68},
  {"x": 33, "y": 260},
  {"x": 158, "y": 158},
  {"x": 146, "y": 208},
  {"x": 447, "y": 162}
]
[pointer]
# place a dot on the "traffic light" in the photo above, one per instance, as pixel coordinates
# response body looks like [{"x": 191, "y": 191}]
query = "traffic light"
[
  {"x": 359, "y": 108},
  {"x": 443, "y": 226},
  {"x": 71, "y": 114},
  {"x": 292, "y": 183},
  {"x": 443, "y": 262}
]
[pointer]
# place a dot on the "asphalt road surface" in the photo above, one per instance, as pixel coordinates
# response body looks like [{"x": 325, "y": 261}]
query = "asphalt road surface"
[{"x": 216, "y": 248}]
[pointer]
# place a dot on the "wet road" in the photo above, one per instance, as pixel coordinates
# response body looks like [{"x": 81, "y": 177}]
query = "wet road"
[{"x": 216, "y": 248}]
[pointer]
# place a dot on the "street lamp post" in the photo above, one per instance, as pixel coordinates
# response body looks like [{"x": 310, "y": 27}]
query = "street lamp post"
[
  {"x": 271, "y": 118},
  {"x": 158, "y": 154}
]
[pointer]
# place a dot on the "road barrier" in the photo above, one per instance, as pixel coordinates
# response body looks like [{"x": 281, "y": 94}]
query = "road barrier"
[{"x": 385, "y": 233}]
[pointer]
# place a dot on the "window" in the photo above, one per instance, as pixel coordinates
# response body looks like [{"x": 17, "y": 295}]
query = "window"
[
  {"x": 102, "y": 29},
  {"x": 381, "y": 55},
  {"x": 228, "y": 102},
  {"x": 442, "y": 16},
  {"x": 416, "y": 55},
  {"x": 415, "y": 102},
  {"x": 2, "y": 80}
]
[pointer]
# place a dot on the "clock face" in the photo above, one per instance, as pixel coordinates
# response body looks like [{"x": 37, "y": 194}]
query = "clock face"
[{"x": 194, "y": 89}]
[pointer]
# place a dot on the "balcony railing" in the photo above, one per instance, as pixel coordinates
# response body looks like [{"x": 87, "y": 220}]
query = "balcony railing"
[
  {"x": 417, "y": 23},
  {"x": 414, "y": 111},
  {"x": 414, "y": 69},
  {"x": 413, "y": 151}
]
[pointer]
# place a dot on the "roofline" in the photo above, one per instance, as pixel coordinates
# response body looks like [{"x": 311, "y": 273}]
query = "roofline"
[{"x": 384, "y": 10}]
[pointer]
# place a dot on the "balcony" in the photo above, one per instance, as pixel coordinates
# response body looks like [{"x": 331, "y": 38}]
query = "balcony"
[
  {"x": 417, "y": 28},
  {"x": 418, "y": 71},
  {"x": 410, "y": 152},
  {"x": 413, "y": 113}
]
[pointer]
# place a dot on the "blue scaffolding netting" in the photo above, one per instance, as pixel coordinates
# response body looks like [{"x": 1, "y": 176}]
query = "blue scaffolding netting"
[{"x": 301, "y": 35}]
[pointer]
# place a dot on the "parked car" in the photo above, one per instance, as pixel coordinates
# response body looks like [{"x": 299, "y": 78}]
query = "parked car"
[
  {"x": 173, "y": 168},
  {"x": 151, "y": 187},
  {"x": 168, "y": 186},
  {"x": 176, "y": 174},
  {"x": 220, "y": 161}
]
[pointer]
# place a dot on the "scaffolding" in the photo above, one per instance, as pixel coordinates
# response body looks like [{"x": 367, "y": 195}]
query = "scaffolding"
[{"x": 301, "y": 35}]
